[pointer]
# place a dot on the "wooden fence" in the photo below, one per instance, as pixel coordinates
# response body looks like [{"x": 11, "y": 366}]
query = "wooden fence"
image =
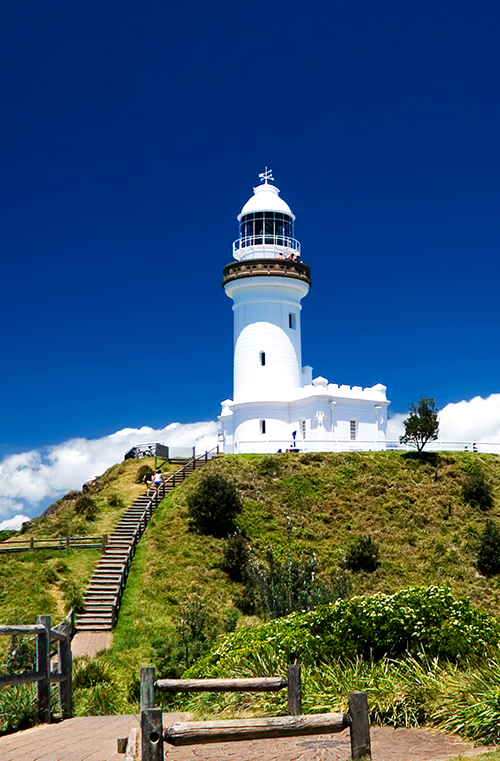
[
  {"x": 55, "y": 543},
  {"x": 43, "y": 676},
  {"x": 153, "y": 735}
]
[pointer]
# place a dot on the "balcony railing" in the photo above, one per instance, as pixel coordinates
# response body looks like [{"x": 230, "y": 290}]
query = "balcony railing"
[{"x": 277, "y": 243}]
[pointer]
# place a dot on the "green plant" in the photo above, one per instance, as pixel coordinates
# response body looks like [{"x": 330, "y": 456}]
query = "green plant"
[
  {"x": 73, "y": 595},
  {"x": 270, "y": 465},
  {"x": 85, "y": 505},
  {"x": 288, "y": 585},
  {"x": 142, "y": 471},
  {"x": 421, "y": 619},
  {"x": 476, "y": 490},
  {"x": 6, "y": 533},
  {"x": 18, "y": 708},
  {"x": 488, "y": 556},
  {"x": 21, "y": 655},
  {"x": 214, "y": 505},
  {"x": 363, "y": 555},
  {"x": 421, "y": 425},
  {"x": 88, "y": 672},
  {"x": 114, "y": 500},
  {"x": 236, "y": 557}
]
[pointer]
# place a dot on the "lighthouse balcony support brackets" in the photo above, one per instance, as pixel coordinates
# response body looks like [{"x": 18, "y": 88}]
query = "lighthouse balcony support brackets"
[{"x": 268, "y": 267}]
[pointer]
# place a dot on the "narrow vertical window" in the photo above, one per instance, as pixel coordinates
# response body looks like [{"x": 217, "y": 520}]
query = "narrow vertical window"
[
  {"x": 262, "y": 426},
  {"x": 292, "y": 320},
  {"x": 263, "y": 358},
  {"x": 354, "y": 426},
  {"x": 303, "y": 428}
]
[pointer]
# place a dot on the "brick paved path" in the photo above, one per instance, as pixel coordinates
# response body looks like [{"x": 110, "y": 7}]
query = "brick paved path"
[
  {"x": 90, "y": 643},
  {"x": 94, "y": 738}
]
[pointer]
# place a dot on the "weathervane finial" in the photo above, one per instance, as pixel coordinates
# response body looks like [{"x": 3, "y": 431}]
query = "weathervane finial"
[{"x": 266, "y": 176}]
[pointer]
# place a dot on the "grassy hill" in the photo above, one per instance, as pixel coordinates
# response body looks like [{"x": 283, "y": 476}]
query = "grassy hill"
[
  {"x": 50, "y": 582},
  {"x": 179, "y": 599},
  {"x": 309, "y": 504}
]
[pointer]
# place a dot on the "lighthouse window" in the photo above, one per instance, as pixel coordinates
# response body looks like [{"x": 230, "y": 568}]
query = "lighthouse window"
[
  {"x": 292, "y": 320},
  {"x": 262, "y": 426},
  {"x": 266, "y": 227},
  {"x": 354, "y": 426},
  {"x": 263, "y": 358}
]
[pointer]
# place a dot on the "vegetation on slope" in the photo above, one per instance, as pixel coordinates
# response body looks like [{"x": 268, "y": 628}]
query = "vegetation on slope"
[{"x": 50, "y": 582}]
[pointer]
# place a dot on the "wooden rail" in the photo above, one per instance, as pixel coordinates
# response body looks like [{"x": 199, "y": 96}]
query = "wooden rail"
[
  {"x": 58, "y": 543},
  {"x": 154, "y": 735},
  {"x": 43, "y": 676}
]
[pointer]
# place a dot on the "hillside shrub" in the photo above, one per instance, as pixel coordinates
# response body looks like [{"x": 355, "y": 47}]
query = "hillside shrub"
[
  {"x": 270, "y": 465},
  {"x": 363, "y": 555},
  {"x": 6, "y": 533},
  {"x": 192, "y": 637},
  {"x": 287, "y": 586},
  {"x": 214, "y": 505},
  {"x": 476, "y": 490},
  {"x": 141, "y": 472},
  {"x": 86, "y": 506},
  {"x": 411, "y": 621},
  {"x": 488, "y": 556},
  {"x": 236, "y": 557}
]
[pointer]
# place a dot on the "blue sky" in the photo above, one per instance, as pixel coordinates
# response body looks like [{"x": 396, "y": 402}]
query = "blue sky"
[{"x": 131, "y": 134}]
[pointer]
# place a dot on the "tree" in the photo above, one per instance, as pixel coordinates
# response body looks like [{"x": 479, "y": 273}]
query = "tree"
[{"x": 421, "y": 425}]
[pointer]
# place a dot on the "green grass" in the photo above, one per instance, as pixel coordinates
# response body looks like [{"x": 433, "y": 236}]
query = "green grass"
[{"x": 412, "y": 507}]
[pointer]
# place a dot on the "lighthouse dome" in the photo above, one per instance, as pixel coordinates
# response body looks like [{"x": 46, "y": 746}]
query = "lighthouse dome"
[{"x": 266, "y": 198}]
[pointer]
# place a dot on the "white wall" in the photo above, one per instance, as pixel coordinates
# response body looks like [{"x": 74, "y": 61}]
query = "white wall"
[{"x": 262, "y": 306}]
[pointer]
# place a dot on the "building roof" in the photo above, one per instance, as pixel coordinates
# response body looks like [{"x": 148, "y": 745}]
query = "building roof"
[{"x": 266, "y": 198}]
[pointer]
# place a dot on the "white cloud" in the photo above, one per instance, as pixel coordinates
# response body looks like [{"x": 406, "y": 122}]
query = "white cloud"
[
  {"x": 14, "y": 523},
  {"x": 476, "y": 420},
  {"x": 30, "y": 478}
]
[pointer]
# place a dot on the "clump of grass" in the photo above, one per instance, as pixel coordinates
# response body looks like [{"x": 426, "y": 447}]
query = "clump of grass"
[{"x": 18, "y": 707}]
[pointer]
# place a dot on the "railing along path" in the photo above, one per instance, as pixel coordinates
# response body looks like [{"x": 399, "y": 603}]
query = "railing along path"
[
  {"x": 154, "y": 735},
  {"x": 44, "y": 676},
  {"x": 105, "y": 591}
]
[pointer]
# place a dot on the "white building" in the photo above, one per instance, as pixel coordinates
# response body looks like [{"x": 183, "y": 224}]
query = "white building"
[{"x": 277, "y": 404}]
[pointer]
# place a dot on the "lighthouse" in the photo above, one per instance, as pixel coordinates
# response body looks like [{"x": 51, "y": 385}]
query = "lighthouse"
[{"x": 276, "y": 404}]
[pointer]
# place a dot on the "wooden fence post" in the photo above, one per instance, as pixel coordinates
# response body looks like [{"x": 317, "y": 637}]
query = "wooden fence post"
[
  {"x": 147, "y": 688},
  {"x": 360, "y": 726},
  {"x": 152, "y": 735},
  {"x": 104, "y": 541},
  {"x": 294, "y": 690},
  {"x": 65, "y": 688},
  {"x": 43, "y": 666},
  {"x": 32, "y": 543}
]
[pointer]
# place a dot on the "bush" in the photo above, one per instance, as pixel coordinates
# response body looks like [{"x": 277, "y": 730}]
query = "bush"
[
  {"x": 270, "y": 465},
  {"x": 21, "y": 655},
  {"x": 287, "y": 586},
  {"x": 88, "y": 672},
  {"x": 86, "y": 506},
  {"x": 114, "y": 500},
  {"x": 476, "y": 490},
  {"x": 18, "y": 707},
  {"x": 363, "y": 555},
  {"x": 488, "y": 556},
  {"x": 214, "y": 505},
  {"x": 141, "y": 472},
  {"x": 236, "y": 558},
  {"x": 427, "y": 619}
]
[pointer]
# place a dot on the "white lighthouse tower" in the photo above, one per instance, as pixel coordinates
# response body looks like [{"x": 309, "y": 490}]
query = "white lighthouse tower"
[{"x": 276, "y": 403}]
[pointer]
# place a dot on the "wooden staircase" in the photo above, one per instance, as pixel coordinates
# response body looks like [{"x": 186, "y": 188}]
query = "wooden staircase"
[{"x": 103, "y": 596}]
